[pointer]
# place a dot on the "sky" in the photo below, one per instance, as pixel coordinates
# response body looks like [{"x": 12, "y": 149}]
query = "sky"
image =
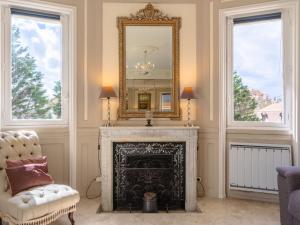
[
  {"x": 257, "y": 55},
  {"x": 43, "y": 39},
  {"x": 257, "y": 52}
]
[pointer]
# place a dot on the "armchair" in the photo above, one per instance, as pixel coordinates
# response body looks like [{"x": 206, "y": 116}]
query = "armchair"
[
  {"x": 289, "y": 195},
  {"x": 36, "y": 206}
]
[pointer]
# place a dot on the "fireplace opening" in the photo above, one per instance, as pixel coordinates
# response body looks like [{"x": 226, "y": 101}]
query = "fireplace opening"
[{"x": 140, "y": 167}]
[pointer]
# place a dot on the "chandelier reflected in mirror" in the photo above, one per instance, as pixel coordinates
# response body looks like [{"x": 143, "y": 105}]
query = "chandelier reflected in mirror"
[{"x": 146, "y": 67}]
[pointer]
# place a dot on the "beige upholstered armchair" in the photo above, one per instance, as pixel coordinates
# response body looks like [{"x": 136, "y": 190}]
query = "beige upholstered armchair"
[{"x": 36, "y": 206}]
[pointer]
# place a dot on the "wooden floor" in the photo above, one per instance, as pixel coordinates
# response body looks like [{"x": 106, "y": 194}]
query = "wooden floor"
[{"x": 214, "y": 212}]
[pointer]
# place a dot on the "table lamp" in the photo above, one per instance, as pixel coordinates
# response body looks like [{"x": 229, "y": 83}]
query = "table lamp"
[
  {"x": 188, "y": 94},
  {"x": 107, "y": 92}
]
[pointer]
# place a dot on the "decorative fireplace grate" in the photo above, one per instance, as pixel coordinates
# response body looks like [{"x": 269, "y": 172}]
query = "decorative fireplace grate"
[{"x": 141, "y": 167}]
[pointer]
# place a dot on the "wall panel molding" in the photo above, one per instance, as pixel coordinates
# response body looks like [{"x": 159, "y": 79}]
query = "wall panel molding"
[
  {"x": 85, "y": 91},
  {"x": 87, "y": 165},
  {"x": 224, "y": 1},
  {"x": 57, "y": 155},
  {"x": 211, "y": 60},
  {"x": 209, "y": 130},
  {"x": 88, "y": 131},
  {"x": 265, "y": 138},
  {"x": 208, "y": 166}
]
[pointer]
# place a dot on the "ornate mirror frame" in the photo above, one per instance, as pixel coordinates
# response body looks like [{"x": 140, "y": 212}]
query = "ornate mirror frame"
[{"x": 149, "y": 16}]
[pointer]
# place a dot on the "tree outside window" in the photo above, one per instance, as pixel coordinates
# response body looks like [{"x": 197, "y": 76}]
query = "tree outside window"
[{"x": 36, "y": 90}]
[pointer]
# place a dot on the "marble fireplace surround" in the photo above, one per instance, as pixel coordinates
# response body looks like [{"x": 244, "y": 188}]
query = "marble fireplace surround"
[{"x": 108, "y": 135}]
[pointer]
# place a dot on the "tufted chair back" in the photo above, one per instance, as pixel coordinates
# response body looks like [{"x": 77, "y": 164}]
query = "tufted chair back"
[{"x": 17, "y": 145}]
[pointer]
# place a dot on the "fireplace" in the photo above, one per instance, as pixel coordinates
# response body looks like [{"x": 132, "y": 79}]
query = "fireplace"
[
  {"x": 140, "y": 167},
  {"x": 185, "y": 138}
]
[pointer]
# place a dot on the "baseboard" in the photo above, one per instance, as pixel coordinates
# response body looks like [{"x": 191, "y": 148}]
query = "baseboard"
[{"x": 256, "y": 196}]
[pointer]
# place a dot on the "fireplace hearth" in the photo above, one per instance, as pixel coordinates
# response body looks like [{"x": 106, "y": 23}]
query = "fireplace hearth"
[{"x": 140, "y": 167}]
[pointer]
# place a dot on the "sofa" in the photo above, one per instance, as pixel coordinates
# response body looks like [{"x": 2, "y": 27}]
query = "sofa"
[
  {"x": 289, "y": 195},
  {"x": 39, "y": 205}
]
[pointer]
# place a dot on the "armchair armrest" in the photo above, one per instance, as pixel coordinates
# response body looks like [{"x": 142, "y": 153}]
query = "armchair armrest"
[
  {"x": 288, "y": 171},
  {"x": 292, "y": 176}
]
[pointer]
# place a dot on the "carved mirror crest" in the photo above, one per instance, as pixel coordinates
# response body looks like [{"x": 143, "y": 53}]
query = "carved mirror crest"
[{"x": 149, "y": 64}]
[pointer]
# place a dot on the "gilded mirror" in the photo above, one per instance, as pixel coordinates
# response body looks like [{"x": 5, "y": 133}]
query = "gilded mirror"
[{"x": 149, "y": 64}]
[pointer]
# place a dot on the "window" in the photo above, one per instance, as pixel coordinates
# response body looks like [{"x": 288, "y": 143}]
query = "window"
[
  {"x": 257, "y": 69},
  {"x": 165, "y": 99},
  {"x": 259, "y": 85},
  {"x": 36, "y": 68}
]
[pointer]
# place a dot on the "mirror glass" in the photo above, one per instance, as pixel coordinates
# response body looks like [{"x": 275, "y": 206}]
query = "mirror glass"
[
  {"x": 149, "y": 64},
  {"x": 149, "y": 70}
]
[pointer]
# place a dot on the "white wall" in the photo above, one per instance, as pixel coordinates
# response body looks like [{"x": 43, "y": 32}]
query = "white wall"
[
  {"x": 198, "y": 43},
  {"x": 100, "y": 50}
]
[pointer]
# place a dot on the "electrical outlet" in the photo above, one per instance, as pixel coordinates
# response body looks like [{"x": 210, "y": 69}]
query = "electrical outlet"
[
  {"x": 98, "y": 179},
  {"x": 199, "y": 179}
]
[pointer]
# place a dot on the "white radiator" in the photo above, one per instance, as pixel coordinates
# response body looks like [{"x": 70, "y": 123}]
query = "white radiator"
[{"x": 252, "y": 167}]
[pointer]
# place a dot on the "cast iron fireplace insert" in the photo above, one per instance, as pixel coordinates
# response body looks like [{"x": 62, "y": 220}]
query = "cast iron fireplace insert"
[{"x": 140, "y": 167}]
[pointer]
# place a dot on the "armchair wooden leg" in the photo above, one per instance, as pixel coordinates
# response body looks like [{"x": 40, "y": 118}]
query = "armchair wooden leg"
[
  {"x": 0, "y": 221},
  {"x": 71, "y": 218}
]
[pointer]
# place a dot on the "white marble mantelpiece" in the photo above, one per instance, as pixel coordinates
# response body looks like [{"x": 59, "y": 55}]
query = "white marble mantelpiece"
[{"x": 108, "y": 135}]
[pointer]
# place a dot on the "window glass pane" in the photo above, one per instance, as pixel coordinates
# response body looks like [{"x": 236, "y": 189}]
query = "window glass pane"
[
  {"x": 258, "y": 77},
  {"x": 166, "y": 102},
  {"x": 36, "y": 68}
]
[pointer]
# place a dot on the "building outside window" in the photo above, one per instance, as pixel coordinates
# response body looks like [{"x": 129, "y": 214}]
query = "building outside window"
[{"x": 258, "y": 81}]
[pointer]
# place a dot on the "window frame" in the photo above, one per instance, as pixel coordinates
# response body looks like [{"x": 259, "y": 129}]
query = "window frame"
[
  {"x": 67, "y": 62},
  {"x": 289, "y": 67}
]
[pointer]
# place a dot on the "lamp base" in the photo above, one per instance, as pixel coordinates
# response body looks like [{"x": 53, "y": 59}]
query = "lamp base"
[
  {"x": 188, "y": 125},
  {"x": 108, "y": 124},
  {"x": 148, "y": 123}
]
